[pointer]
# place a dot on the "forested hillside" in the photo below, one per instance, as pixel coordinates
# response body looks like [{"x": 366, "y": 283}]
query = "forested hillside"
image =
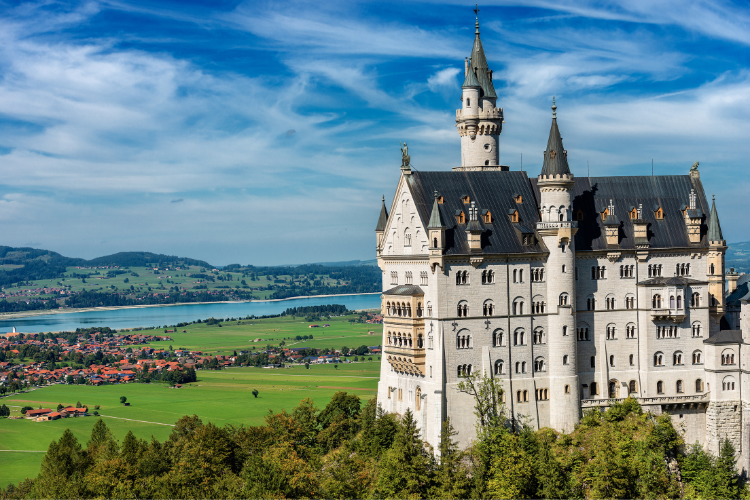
[{"x": 349, "y": 451}]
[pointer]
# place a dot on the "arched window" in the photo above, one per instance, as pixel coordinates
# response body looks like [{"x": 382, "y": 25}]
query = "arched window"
[
  {"x": 538, "y": 336},
  {"x": 518, "y": 307},
  {"x": 565, "y": 331},
  {"x": 566, "y": 359},
  {"x": 498, "y": 338},
  {"x": 696, "y": 329},
  {"x": 671, "y": 302},
  {"x": 658, "y": 359},
  {"x": 697, "y": 358},
  {"x": 407, "y": 237},
  {"x": 611, "y": 332},
  {"x": 462, "y": 309},
  {"x": 515, "y": 275},
  {"x": 563, "y": 299},
  {"x": 727, "y": 357},
  {"x": 695, "y": 299},
  {"x": 677, "y": 358},
  {"x": 539, "y": 365},
  {"x": 611, "y": 360},
  {"x": 656, "y": 301},
  {"x": 518, "y": 337},
  {"x": 679, "y": 387},
  {"x": 418, "y": 399},
  {"x": 679, "y": 302},
  {"x": 499, "y": 367},
  {"x": 614, "y": 389},
  {"x": 660, "y": 387},
  {"x": 434, "y": 243},
  {"x": 520, "y": 275},
  {"x": 488, "y": 308},
  {"x": 594, "y": 389},
  {"x": 711, "y": 269},
  {"x": 593, "y": 361},
  {"x": 698, "y": 385},
  {"x": 523, "y": 366},
  {"x": 630, "y": 359},
  {"x": 632, "y": 387},
  {"x": 728, "y": 383},
  {"x": 464, "y": 340}
]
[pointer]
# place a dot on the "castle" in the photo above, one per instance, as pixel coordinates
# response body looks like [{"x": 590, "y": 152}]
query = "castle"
[{"x": 572, "y": 291}]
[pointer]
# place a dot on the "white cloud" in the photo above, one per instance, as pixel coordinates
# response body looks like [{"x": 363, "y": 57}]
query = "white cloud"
[{"x": 444, "y": 78}]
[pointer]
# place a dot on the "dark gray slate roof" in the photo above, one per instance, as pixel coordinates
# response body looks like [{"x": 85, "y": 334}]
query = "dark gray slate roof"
[
  {"x": 471, "y": 78},
  {"x": 555, "y": 157},
  {"x": 436, "y": 217},
  {"x": 383, "y": 219},
  {"x": 673, "y": 281},
  {"x": 725, "y": 337},
  {"x": 670, "y": 192},
  {"x": 404, "y": 290},
  {"x": 479, "y": 65},
  {"x": 739, "y": 293},
  {"x": 491, "y": 190},
  {"x": 714, "y": 228},
  {"x": 745, "y": 278}
]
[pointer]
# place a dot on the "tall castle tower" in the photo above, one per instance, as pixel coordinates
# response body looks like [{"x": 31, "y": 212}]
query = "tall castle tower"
[
  {"x": 479, "y": 122},
  {"x": 716, "y": 249},
  {"x": 557, "y": 230}
]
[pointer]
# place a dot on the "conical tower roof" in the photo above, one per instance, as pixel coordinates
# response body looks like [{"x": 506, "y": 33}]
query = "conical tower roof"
[
  {"x": 714, "y": 228},
  {"x": 479, "y": 65},
  {"x": 555, "y": 157},
  {"x": 471, "y": 78},
  {"x": 383, "y": 219},
  {"x": 436, "y": 218}
]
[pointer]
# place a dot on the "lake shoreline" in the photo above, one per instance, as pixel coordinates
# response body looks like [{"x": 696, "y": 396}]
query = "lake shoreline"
[{"x": 31, "y": 314}]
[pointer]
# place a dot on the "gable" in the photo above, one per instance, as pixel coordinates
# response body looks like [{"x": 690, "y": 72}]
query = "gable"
[{"x": 405, "y": 233}]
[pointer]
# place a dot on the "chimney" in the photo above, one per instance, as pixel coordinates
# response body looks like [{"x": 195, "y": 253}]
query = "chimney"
[
  {"x": 693, "y": 219},
  {"x": 732, "y": 277},
  {"x": 612, "y": 227}
]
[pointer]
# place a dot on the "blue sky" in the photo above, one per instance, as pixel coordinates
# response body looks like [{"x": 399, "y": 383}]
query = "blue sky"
[{"x": 267, "y": 132}]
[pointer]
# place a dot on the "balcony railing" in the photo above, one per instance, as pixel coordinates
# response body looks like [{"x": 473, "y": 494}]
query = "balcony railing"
[
  {"x": 658, "y": 400},
  {"x": 557, "y": 225},
  {"x": 674, "y": 314}
]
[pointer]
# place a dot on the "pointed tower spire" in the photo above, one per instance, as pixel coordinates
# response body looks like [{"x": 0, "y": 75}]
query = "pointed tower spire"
[
  {"x": 436, "y": 218},
  {"x": 479, "y": 63},
  {"x": 471, "y": 78},
  {"x": 555, "y": 157},
  {"x": 714, "y": 228},
  {"x": 383, "y": 219}
]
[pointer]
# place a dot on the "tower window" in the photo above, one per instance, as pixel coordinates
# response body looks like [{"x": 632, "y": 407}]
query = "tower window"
[{"x": 468, "y": 102}]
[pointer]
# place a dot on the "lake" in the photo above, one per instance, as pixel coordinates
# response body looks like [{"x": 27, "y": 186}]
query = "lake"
[{"x": 170, "y": 315}]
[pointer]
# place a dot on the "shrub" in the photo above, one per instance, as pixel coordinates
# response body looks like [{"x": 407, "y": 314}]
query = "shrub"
[
  {"x": 255, "y": 392},
  {"x": 123, "y": 399},
  {"x": 25, "y": 409}
]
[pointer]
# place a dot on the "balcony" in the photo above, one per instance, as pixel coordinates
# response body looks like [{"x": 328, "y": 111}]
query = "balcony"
[
  {"x": 667, "y": 402},
  {"x": 403, "y": 351},
  {"x": 676, "y": 315},
  {"x": 570, "y": 224},
  {"x": 406, "y": 360}
]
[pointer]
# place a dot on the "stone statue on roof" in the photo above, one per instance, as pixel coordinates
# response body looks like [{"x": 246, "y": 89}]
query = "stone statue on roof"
[
  {"x": 405, "y": 155},
  {"x": 694, "y": 168}
]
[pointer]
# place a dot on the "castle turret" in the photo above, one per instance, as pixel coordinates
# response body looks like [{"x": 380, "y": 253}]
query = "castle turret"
[
  {"x": 479, "y": 122},
  {"x": 557, "y": 230},
  {"x": 380, "y": 228},
  {"x": 436, "y": 228},
  {"x": 716, "y": 248}
]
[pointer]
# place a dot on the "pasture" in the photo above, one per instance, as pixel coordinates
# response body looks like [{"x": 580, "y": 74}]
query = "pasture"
[
  {"x": 222, "y": 397},
  {"x": 240, "y": 335}
]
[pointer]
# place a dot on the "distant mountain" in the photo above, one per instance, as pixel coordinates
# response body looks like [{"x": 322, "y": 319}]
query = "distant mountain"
[
  {"x": 26, "y": 264},
  {"x": 738, "y": 257},
  {"x": 348, "y": 263}
]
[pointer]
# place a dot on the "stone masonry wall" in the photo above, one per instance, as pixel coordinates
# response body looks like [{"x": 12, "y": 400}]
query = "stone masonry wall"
[{"x": 723, "y": 421}]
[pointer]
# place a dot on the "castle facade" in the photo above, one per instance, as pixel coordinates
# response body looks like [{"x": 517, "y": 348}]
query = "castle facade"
[{"x": 573, "y": 291}]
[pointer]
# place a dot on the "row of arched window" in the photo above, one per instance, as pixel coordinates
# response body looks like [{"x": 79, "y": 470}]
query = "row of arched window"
[
  {"x": 654, "y": 270},
  {"x": 488, "y": 277},
  {"x": 627, "y": 271},
  {"x": 537, "y": 274},
  {"x": 398, "y": 339},
  {"x": 682, "y": 269},
  {"x": 464, "y": 370},
  {"x": 462, "y": 278},
  {"x": 403, "y": 309},
  {"x": 677, "y": 358},
  {"x": 598, "y": 272}
]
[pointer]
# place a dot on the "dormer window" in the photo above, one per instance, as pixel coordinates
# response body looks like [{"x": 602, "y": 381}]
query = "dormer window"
[
  {"x": 527, "y": 240},
  {"x": 460, "y": 217},
  {"x": 519, "y": 198},
  {"x": 466, "y": 199},
  {"x": 487, "y": 217},
  {"x": 440, "y": 200},
  {"x": 605, "y": 213},
  {"x": 659, "y": 214},
  {"x": 579, "y": 215},
  {"x": 513, "y": 215}
]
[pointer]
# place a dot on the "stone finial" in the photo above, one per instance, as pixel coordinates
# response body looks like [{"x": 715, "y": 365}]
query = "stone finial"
[
  {"x": 554, "y": 109},
  {"x": 692, "y": 199}
]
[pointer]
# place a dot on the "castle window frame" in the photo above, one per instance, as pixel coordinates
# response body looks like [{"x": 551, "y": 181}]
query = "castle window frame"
[
  {"x": 611, "y": 332},
  {"x": 696, "y": 329},
  {"x": 498, "y": 338},
  {"x": 583, "y": 333},
  {"x": 697, "y": 357},
  {"x": 499, "y": 367},
  {"x": 611, "y": 360},
  {"x": 659, "y": 387},
  {"x": 466, "y": 199},
  {"x": 659, "y": 214},
  {"x": 488, "y": 277},
  {"x": 461, "y": 217},
  {"x": 632, "y": 387},
  {"x": 464, "y": 340},
  {"x": 566, "y": 359},
  {"x": 695, "y": 299},
  {"x": 539, "y": 336},
  {"x": 727, "y": 357},
  {"x": 677, "y": 358},
  {"x": 394, "y": 278},
  {"x": 542, "y": 394},
  {"x": 518, "y": 307},
  {"x": 658, "y": 358},
  {"x": 423, "y": 277},
  {"x": 518, "y": 199},
  {"x": 593, "y": 361},
  {"x": 462, "y": 278},
  {"x": 656, "y": 301},
  {"x": 462, "y": 309},
  {"x": 488, "y": 217},
  {"x": 633, "y": 213},
  {"x": 630, "y": 331},
  {"x": 631, "y": 360},
  {"x": 699, "y": 386},
  {"x": 519, "y": 337},
  {"x": 564, "y": 299},
  {"x": 408, "y": 277},
  {"x": 537, "y": 274},
  {"x": 488, "y": 308},
  {"x": 727, "y": 384},
  {"x": 579, "y": 215}
]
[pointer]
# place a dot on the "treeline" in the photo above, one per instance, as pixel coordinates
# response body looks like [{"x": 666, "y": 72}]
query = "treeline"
[
  {"x": 21, "y": 305},
  {"x": 328, "y": 309},
  {"x": 349, "y": 451}
]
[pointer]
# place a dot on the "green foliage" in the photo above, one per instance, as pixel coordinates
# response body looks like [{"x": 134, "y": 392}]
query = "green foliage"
[
  {"x": 123, "y": 400},
  {"x": 255, "y": 393}
]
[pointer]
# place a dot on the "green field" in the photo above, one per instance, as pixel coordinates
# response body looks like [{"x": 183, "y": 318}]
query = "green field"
[
  {"x": 239, "y": 335},
  {"x": 222, "y": 397}
]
